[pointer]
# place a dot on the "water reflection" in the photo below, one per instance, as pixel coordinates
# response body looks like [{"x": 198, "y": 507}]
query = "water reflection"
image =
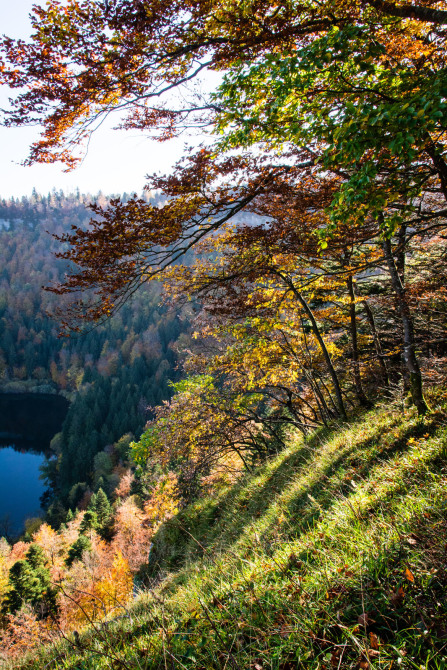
[{"x": 27, "y": 424}]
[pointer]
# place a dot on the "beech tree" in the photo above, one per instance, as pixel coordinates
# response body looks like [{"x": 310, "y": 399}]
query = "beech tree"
[{"x": 342, "y": 108}]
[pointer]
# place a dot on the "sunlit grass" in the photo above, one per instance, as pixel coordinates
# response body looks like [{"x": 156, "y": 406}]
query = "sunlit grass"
[{"x": 332, "y": 555}]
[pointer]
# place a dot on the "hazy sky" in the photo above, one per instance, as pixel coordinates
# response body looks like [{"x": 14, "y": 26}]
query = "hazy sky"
[{"x": 117, "y": 161}]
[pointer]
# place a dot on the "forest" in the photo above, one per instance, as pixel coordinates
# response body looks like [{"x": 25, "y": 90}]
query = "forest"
[
  {"x": 112, "y": 375},
  {"x": 283, "y": 505}
]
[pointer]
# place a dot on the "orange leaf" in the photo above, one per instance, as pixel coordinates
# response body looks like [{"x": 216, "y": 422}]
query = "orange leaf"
[
  {"x": 409, "y": 575},
  {"x": 374, "y": 641}
]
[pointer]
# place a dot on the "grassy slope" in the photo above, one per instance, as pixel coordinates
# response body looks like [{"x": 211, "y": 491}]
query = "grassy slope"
[{"x": 332, "y": 555}]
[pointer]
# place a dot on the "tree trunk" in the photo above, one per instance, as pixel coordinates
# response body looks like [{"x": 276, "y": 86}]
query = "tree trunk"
[
  {"x": 400, "y": 252},
  {"x": 355, "y": 351},
  {"x": 311, "y": 377},
  {"x": 376, "y": 339},
  {"x": 410, "y": 359},
  {"x": 327, "y": 358}
]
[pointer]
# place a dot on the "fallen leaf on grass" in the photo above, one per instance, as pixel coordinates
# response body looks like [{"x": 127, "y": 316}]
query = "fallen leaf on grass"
[
  {"x": 374, "y": 641},
  {"x": 397, "y": 597},
  {"x": 409, "y": 575}
]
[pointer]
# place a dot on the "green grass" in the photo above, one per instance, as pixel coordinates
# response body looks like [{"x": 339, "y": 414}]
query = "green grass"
[{"x": 331, "y": 555}]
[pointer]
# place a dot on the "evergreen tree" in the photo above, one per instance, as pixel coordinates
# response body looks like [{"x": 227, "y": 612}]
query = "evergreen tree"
[
  {"x": 36, "y": 557},
  {"x": 56, "y": 514},
  {"x": 103, "y": 508},
  {"x": 77, "y": 550},
  {"x": 89, "y": 522},
  {"x": 30, "y": 583},
  {"x": 92, "y": 503}
]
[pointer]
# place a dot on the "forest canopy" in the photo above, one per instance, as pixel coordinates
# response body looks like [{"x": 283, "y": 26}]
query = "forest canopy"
[{"x": 113, "y": 374}]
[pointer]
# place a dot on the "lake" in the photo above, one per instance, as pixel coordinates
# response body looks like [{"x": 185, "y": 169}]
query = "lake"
[{"x": 27, "y": 424}]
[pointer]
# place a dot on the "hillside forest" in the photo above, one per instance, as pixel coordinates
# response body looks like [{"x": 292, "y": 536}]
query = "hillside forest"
[
  {"x": 112, "y": 375},
  {"x": 308, "y": 230}
]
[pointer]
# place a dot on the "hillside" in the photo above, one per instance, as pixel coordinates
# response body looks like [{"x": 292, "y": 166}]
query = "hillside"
[
  {"x": 111, "y": 374},
  {"x": 330, "y": 555}
]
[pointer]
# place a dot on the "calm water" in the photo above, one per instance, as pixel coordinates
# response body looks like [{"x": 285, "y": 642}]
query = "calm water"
[{"x": 27, "y": 424}]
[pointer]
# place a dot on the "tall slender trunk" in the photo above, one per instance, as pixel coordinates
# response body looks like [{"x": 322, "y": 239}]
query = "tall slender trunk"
[
  {"x": 324, "y": 351},
  {"x": 355, "y": 350},
  {"x": 325, "y": 411},
  {"x": 400, "y": 252},
  {"x": 376, "y": 340},
  {"x": 410, "y": 359}
]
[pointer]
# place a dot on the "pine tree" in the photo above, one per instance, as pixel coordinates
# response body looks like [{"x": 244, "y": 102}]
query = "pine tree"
[
  {"x": 103, "y": 509},
  {"x": 30, "y": 583},
  {"x": 92, "y": 503},
  {"x": 77, "y": 550},
  {"x": 25, "y": 587},
  {"x": 36, "y": 557},
  {"x": 89, "y": 522}
]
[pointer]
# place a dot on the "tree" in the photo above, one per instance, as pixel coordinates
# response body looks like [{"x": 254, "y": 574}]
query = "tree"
[
  {"x": 78, "y": 549},
  {"x": 89, "y": 521},
  {"x": 30, "y": 583},
  {"x": 137, "y": 53},
  {"x": 25, "y": 631},
  {"x": 102, "y": 508},
  {"x": 103, "y": 511},
  {"x": 350, "y": 96},
  {"x": 131, "y": 538},
  {"x": 51, "y": 543}
]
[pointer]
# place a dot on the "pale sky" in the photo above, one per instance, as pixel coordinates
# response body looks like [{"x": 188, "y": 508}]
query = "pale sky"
[{"x": 117, "y": 161}]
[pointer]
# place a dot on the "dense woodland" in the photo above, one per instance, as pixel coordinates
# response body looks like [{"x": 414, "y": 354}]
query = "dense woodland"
[
  {"x": 310, "y": 230},
  {"x": 112, "y": 374}
]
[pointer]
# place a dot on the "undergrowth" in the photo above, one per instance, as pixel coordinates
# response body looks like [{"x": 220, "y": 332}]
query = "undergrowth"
[{"x": 331, "y": 555}]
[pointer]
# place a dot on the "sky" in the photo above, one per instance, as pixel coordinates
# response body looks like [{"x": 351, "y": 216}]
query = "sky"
[{"x": 117, "y": 161}]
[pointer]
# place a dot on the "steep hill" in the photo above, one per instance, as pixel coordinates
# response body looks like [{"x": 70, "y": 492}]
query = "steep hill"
[{"x": 331, "y": 555}]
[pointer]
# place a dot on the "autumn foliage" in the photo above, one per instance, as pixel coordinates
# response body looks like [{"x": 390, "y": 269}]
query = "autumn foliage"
[
  {"x": 308, "y": 234},
  {"x": 77, "y": 588}
]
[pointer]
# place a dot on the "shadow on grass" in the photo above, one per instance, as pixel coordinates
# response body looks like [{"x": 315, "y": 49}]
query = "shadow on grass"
[
  {"x": 399, "y": 599},
  {"x": 405, "y": 611},
  {"x": 217, "y": 524},
  {"x": 393, "y": 606}
]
